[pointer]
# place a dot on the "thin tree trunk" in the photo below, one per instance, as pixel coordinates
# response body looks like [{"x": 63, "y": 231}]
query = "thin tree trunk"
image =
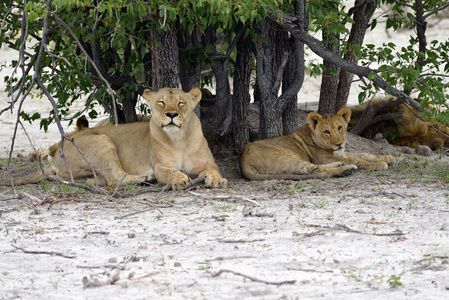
[
  {"x": 363, "y": 11},
  {"x": 129, "y": 108},
  {"x": 241, "y": 97},
  {"x": 270, "y": 121},
  {"x": 165, "y": 58},
  {"x": 223, "y": 101},
  {"x": 189, "y": 66},
  {"x": 294, "y": 72},
  {"x": 329, "y": 83}
]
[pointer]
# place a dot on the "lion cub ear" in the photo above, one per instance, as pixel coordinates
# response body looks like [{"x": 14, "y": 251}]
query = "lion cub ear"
[
  {"x": 313, "y": 119},
  {"x": 196, "y": 95},
  {"x": 148, "y": 94},
  {"x": 345, "y": 113}
]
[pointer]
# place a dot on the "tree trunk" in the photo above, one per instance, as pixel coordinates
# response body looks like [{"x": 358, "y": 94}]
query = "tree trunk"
[
  {"x": 165, "y": 58},
  {"x": 294, "y": 72},
  {"x": 223, "y": 101},
  {"x": 270, "y": 120},
  {"x": 241, "y": 97},
  {"x": 129, "y": 107},
  {"x": 189, "y": 66},
  {"x": 363, "y": 11},
  {"x": 329, "y": 80}
]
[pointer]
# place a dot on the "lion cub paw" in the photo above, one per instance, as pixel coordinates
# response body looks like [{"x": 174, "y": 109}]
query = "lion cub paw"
[
  {"x": 179, "y": 181},
  {"x": 216, "y": 181},
  {"x": 388, "y": 159},
  {"x": 382, "y": 165}
]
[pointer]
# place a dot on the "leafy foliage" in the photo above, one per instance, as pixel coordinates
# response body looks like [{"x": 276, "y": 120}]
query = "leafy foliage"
[{"x": 116, "y": 34}]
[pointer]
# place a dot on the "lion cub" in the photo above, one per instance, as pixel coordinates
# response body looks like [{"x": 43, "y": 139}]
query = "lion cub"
[{"x": 316, "y": 150}]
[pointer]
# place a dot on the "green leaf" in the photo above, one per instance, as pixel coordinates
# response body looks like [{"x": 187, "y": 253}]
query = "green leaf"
[
  {"x": 373, "y": 24},
  {"x": 372, "y": 75}
]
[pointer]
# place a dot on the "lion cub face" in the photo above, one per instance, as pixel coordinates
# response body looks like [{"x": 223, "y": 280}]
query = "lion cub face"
[
  {"x": 171, "y": 107},
  {"x": 329, "y": 131}
]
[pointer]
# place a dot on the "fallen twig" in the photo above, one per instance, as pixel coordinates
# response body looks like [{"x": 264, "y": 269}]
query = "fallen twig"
[
  {"x": 221, "y": 258},
  {"x": 346, "y": 228},
  {"x": 252, "y": 278},
  {"x": 120, "y": 267},
  {"x": 371, "y": 195},
  {"x": 223, "y": 196},
  {"x": 241, "y": 241},
  {"x": 44, "y": 252}
]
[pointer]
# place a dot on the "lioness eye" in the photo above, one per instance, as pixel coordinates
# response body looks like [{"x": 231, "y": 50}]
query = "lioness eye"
[
  {"x": 327, "y": 132},
  {"x": 161, "y": 103},
  {"x": 339, "y": 128},
  {"x": 181, "y": 103}
]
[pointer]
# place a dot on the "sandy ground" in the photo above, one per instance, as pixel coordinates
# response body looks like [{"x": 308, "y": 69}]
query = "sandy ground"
[{"x": 377, "y": 235}]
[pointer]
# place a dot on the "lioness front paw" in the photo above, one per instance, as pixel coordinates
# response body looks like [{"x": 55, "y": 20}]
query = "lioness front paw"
[
  {"x": 179, "y": 181},
  {"x": 216, "y": 181}
]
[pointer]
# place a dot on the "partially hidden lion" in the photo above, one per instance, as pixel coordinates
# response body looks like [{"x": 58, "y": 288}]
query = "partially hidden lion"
[
  {"x": 316, "y": 150},
  {"x": 411, "y": 131},
  {"x": 168, "y": 148}
]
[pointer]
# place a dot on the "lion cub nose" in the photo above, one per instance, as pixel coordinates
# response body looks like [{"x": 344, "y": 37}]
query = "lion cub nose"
[{"x": 171, "y": 115}]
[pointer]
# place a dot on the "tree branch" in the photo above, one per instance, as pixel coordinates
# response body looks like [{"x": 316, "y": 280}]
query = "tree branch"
[
  {"x": 293, "y": 25},
  {"x": 433, "y": 11}
]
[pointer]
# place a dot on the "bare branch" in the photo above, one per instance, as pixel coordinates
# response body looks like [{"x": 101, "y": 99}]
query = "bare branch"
[
  {"x": 111, "y": 93},
  {"x": 433, "y": 11},
  {"x": 252, "y": 278}
]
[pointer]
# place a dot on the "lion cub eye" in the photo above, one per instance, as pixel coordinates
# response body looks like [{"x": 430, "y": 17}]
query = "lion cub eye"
[
  {"x": 161, "y": 103},
  {"x": 181, "y": 104},
  {"x": 340, "y": 128},
  {"x": 327, "y": 132}
]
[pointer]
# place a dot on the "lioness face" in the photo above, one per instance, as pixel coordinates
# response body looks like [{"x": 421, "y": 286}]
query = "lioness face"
[
  {"x": 171, "y": 107},
  {"x": 329, "y": 131}
]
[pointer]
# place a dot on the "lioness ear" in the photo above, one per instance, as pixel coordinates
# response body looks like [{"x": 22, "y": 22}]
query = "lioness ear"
[
  {"x": 345, "y": 113},
  {"x": 196, "y": 95},
  {"x": 313, "y": 119},
  {"x": 81, "y": 123},
  {"x": 148, "y": 94}
]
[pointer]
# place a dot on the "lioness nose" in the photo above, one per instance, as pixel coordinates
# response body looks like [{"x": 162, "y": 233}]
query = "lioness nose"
[{"x": 171, "y": 115}]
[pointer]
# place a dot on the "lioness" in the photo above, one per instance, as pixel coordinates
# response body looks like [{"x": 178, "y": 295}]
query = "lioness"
[
  {"x": 316, "y": 150},
  {"x": 411, "y": 131},
  {"x": 167, "y": 147}
]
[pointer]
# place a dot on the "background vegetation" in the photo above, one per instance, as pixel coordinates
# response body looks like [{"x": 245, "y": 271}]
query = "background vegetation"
[{"x": 107, "y": 52}]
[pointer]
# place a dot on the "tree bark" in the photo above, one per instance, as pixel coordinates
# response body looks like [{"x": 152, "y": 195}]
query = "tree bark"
[
  {"x": 189, "y": 66},
  {"x": 363, "y": 11},
  {"x": 165, "y": 58},
  {"x": 223, "y": 101},
  {"x": 270, "y": 121},
  {"x": 241, "y": 97},
  {"x": 329, "y": 80},
  {"x": 294, "y": 71}
]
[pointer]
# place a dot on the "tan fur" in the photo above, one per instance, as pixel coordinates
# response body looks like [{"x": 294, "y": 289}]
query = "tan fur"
[
  {"x": 109, "y": 121},
  {"x": 411, "y": 131},
  {"x": 81, "y": 123},
  {"x": 316, "y": 150},
  {"x": 170, "y": 142}
]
